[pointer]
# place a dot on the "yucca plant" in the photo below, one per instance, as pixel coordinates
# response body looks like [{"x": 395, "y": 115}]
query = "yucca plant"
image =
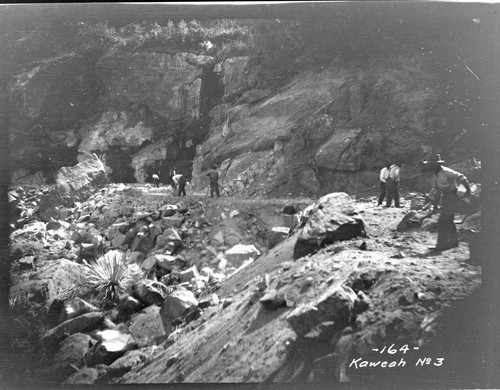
[{"x": 108, "y": 275}]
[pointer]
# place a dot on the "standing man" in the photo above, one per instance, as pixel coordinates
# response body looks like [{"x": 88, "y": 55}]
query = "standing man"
[
  {"x": 446, "y": 181},
  {"x": 156, "y": 180},
  {"x": 384, "y": 174},
  {"x": 392, "y": 185},
  {"x": 214, "y": 181},
  {"x": 180, "y": 183},
  {"x": 180, "y": 180},
  {"x": 173, "y": 173}
]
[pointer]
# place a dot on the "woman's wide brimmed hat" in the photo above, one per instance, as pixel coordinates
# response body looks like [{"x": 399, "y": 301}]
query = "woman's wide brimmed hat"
[{"x": 436, "y": 159}]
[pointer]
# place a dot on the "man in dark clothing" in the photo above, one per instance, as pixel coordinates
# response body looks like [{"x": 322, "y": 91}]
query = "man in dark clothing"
[
  {"x": 181, "y": 182},
  {"x": 446, "y": 182},
  {"x": 384, "y": 174},
  {"x": 214, "y": 181}
]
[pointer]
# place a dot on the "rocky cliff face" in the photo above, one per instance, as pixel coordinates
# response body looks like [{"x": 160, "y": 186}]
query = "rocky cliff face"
[{"x": 328, "y": 126}]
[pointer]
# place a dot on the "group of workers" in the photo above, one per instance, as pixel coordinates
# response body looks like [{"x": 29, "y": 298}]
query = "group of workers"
[
  {"x": 446, "y": 183},
  {"x": 179, "y": 181}
]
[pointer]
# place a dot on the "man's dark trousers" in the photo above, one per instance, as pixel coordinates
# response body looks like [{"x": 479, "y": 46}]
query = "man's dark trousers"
[
  {"x": 214, "y": 187},
  {"x": 182, "y": 189},
  {"x": 392, "y": 192},
  {"x": 382, "y": 193}
]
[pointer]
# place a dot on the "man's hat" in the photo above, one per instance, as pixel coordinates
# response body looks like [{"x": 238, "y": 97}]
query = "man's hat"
[{"x": 436, "y": 159}]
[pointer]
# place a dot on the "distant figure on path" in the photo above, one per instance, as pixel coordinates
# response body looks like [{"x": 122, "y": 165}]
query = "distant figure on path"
[
  {"x": 180, "y": 181},
  {"x": 384, "y": 174},
  {"x": 446, "y": 182},
  {"x": 156, "y": 180},
  {"x": 172, "y": 174},
  {"x": 392, "y": 186},
  {"x": 214, "y": 181}
]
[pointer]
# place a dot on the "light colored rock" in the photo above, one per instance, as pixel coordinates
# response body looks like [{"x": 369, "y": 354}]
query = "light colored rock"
[
  {"x": 239, "y": 253},
  {"x": 232, "y": 238},
  {"x": 188, "y": 274},
  {"x": 218, "y": 237},
  {"x": 169, "y": 263},
  {"x": 336, "y": 304},
  {"x": 112, "y": 344},
  {"x": 336, "y": 201},
  {"x": 147, "y": 325},
  {"x": 73, "y": 184},
  {"x": 176, "y": 305},
  {"x": 326, "y": 225},
  {"x": 75, "y": 308}
]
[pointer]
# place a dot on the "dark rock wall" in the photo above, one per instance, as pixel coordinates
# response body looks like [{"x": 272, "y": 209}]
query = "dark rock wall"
[{"x": 295, "y": 118}]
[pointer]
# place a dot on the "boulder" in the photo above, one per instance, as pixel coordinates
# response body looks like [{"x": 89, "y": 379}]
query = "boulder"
[
  {"x": 155, "y": 230},
  {"x": 141, "y": 243},
  {"x": 72, "y": 350},
  {"x": 171, "y": 222},
  {"x": 147, "y": 325},
  {"x": 188, "y": 274},
  {"x": 232, "y": 238},
  {"x": 324, "y": 227},
  {"x": 112, "y": 344},
  {"x": 149, "y": 292},
  {"x": 239, "y": 253},
  {"x": 85, "y": 322},
  {"x": 118, "y": 240},
  {"x": 337, "y": 305},
  {"x": 168, "y": 210},
  {"x": 149, "y": 263},
  {"x": 273, "y": 300},
  {"x": 176, "y": 305},
  {"x": 73, "y": 184},
  {"x": 170, "y": 263},
  {"x": 170, "y": 240},
  {"x": 218, "y": 238},
  {"x": 336, "y": 201},
  {"x": 136, "y": 257}
]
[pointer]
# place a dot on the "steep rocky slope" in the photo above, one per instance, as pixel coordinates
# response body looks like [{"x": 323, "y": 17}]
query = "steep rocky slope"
[{"x": 261, "y": 313}]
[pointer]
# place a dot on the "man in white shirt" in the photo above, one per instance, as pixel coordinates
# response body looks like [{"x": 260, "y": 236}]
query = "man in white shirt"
[
  {"x": 446, "y": 182},
  {"x": 392, "y": 185},
  {"x": 156, "y": 180},
  {"x": 384, "y": 174}
]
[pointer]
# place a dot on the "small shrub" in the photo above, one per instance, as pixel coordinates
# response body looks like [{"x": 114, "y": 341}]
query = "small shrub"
[{"x": 108, "y": 276}]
